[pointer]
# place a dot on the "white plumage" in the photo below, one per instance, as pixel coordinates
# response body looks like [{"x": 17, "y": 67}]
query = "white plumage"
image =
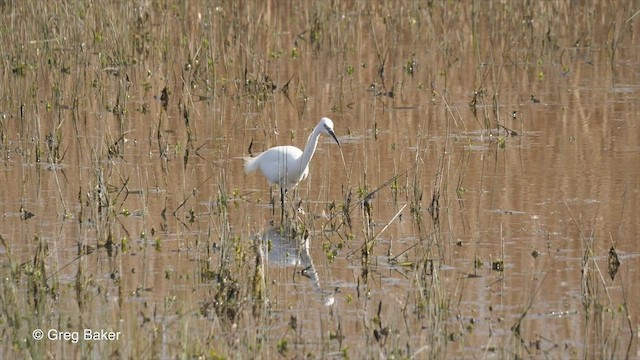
[{"x": 288, "y": 165}]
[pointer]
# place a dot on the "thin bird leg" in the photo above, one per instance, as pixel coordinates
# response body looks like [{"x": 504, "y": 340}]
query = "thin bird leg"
[
  {"x": 282, "y": 191},
  {"x": 272, "y": 201}
]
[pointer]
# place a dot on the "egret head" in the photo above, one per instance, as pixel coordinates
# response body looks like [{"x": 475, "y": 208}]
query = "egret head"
[{"x": 326, "y": 127}]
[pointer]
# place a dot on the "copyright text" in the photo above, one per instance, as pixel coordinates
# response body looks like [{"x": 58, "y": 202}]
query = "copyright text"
[{"x": 76, "y": 336}]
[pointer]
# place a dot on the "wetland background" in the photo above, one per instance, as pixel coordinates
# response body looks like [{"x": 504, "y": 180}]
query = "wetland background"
[{"x": 483, "y": 204}]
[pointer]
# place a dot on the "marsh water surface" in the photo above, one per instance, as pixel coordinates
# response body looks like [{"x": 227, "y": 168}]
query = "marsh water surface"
[{"x": 483, "y": 202}]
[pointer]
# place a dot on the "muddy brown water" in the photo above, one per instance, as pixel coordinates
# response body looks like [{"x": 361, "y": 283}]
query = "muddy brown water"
[{"x": 505, "y": 139}]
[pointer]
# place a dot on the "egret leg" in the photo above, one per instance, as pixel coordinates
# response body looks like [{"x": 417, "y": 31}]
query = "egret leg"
[
  {"x": 272, "y": 201},
  {"x": 282, "y": 191}
]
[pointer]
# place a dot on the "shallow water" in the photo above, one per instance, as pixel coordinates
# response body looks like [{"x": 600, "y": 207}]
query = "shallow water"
[{"x": 503, "y": 137}]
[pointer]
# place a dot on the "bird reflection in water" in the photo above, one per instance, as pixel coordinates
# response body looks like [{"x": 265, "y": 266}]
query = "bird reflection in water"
[{"x": 286, "y": 250}]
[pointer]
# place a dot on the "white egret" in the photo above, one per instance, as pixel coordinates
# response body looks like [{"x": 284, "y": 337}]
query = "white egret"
[{"x": 288, "y": 165}]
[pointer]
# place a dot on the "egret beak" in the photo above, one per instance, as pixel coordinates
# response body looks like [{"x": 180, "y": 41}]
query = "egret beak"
[{"x": 333, "y": 135}]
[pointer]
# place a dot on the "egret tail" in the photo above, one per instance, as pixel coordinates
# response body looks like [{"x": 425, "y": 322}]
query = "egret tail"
[{"x": 251, "y": 164}]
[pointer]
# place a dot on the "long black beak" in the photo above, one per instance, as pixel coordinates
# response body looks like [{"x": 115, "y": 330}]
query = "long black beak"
[{"x": 333, "y": 135}]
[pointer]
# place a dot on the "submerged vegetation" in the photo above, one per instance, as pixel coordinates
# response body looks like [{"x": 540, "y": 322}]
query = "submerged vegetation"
[{"x": 482, "y": 201}]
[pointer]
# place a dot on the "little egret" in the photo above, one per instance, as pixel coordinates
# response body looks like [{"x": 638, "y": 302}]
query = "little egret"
[{"x": 288, "y": 165}]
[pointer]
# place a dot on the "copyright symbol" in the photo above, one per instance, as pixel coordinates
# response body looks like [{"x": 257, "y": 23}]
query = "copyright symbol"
[{"x": 38, "y": 334}]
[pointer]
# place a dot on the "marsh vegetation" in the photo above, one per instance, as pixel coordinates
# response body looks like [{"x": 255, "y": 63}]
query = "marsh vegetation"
[{"x": 483, "y": 203}]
